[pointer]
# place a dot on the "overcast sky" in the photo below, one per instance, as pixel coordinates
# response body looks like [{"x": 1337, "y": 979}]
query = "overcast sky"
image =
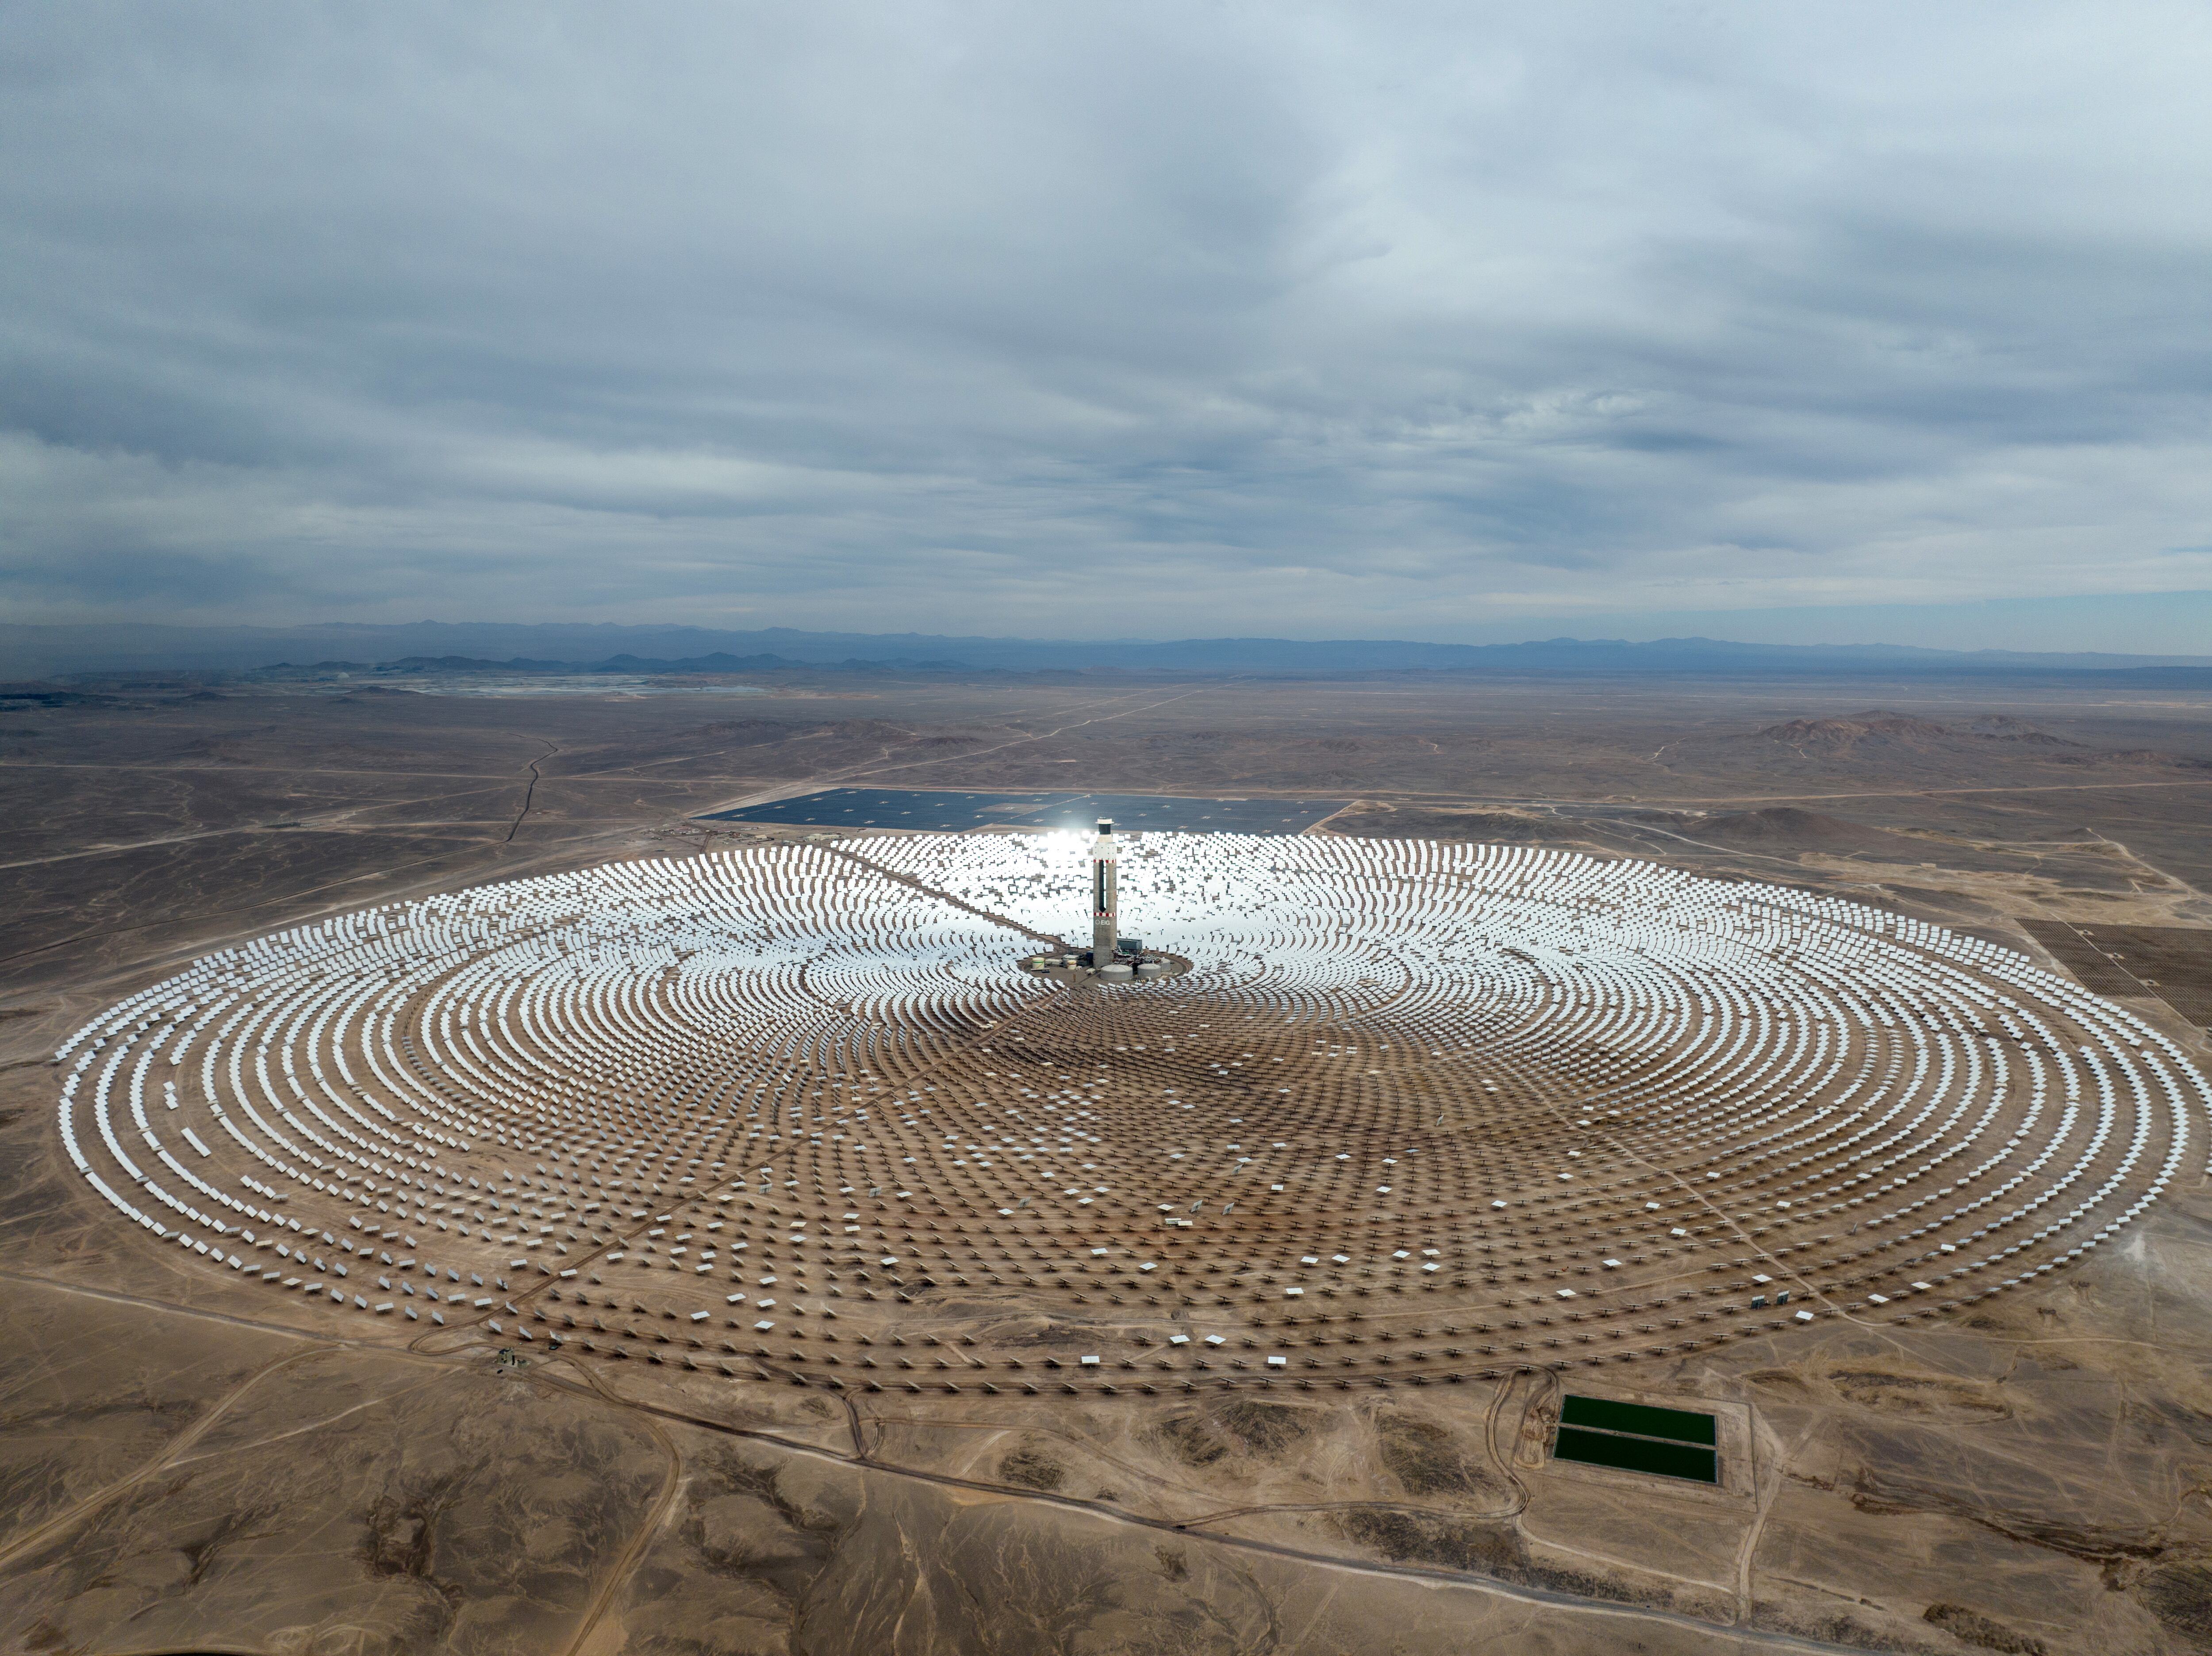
[{"x": 1454, "y": 323}]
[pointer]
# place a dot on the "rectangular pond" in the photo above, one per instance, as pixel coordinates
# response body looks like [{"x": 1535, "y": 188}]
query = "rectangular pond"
[{"x": 1636, "y": 1437}]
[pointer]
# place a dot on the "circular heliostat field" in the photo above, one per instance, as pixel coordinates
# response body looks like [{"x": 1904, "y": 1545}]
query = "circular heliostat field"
[{"x": 1415, "y": 1111}]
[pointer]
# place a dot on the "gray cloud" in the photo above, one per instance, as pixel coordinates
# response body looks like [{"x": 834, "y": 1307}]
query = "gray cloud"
[{"x": 1154, "y": 319}]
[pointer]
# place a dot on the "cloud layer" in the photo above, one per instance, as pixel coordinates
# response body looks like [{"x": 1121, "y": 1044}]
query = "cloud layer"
[{"x": 1150, "y": 320}]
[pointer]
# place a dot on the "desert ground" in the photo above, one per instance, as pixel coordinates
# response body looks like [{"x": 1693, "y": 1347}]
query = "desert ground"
[{"x": 190, "y": 1464}]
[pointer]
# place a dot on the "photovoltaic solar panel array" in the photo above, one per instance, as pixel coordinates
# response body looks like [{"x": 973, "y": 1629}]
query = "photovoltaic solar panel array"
[{"x": 915, "y": 808}]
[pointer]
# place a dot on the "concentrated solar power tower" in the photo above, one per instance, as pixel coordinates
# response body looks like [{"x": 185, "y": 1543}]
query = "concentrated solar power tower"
[{"x": 1105, "y": 939}]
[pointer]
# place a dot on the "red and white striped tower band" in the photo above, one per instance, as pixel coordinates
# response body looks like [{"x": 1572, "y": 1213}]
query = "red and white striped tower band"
[{"x": 1104, "y": 936}]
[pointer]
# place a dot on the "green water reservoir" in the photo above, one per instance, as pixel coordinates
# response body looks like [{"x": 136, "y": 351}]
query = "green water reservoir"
[
  {"x": 1638, "y": 1455},
  {"x": 1638, "y": 1419}
]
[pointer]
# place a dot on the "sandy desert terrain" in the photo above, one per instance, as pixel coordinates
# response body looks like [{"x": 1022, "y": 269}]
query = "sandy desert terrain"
[{"x": 191, "y": 1462}]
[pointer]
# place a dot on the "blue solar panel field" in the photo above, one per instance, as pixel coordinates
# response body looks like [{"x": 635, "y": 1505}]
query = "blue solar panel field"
[{"x": 902, "y": 808}]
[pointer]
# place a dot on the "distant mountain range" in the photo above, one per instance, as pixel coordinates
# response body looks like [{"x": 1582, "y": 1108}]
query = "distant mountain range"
[{"x": 43, "y": 652}]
